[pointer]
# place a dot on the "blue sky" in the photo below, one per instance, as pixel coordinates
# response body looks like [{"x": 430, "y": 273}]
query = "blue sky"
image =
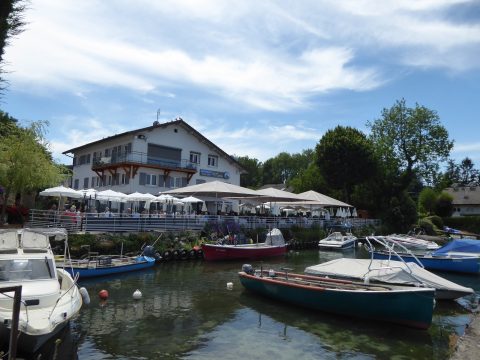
[{"x": 255, "y": 77}]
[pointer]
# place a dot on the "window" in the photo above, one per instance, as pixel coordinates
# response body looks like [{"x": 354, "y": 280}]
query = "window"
[
  {"x": 194, "y": 157},
  {"x": 88, "y": 159},
  {"x": 85, "y": 183},
  {"x": 148, "y": 179},
  {"x": 180, "y": 182},
  {"x": 107, "y": 152},
  {"x": 169, "y": 182},
  {"x": 82, "y": 160},
  {"x": 75, "y": 184},
  {"x": 93, "y": 182},
  {"x": 212, "y": 160},
  {"x": 124, "y": 179}
]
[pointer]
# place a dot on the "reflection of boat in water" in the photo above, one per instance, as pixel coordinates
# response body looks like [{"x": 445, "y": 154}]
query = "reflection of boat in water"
[
  {"x": 274, "y": 245},
  {"x": 49, "y": 297},
  {"x": 398, "y": 304}
]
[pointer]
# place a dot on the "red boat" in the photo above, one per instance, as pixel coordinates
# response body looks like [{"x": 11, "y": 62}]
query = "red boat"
[{"x": 273, "y": 246}]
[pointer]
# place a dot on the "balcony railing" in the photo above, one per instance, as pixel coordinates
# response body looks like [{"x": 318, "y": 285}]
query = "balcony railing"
[{"x": 143, "y": 159}]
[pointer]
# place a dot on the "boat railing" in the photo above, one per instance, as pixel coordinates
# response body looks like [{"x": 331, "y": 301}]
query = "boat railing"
[
  {"x": 72, "y": 285},
  {"x": 390, "y": 244}
]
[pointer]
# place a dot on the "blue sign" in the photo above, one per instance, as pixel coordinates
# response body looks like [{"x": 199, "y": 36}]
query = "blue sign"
[{"x": 215, "y": 174}]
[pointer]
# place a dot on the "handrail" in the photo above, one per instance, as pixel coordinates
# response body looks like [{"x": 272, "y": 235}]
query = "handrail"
[{"x": 391, "y": 250}]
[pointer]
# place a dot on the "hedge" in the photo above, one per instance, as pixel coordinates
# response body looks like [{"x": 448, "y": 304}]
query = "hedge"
[{"x": 464, "y": 223}]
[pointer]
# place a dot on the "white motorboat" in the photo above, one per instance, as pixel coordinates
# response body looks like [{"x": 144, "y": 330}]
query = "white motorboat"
[
  {"x": 50, "y": 297},
  {"x": 337, "y": 240},
  {"x": 412, "y": 242}
]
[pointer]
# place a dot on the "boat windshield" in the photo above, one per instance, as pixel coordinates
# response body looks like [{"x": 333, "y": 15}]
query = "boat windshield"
[{"x": 26, "y": 269}]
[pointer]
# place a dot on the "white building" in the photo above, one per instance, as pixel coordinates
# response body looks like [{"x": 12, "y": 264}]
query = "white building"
[
  {"x": 466, "y": 200},
  {"x": 152, "y": 159}
]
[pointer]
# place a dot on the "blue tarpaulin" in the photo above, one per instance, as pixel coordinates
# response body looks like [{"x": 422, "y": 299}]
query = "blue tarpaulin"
[{"x": 460, "y": 245}]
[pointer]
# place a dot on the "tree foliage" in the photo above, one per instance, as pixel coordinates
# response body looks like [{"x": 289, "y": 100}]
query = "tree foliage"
[
  {"x": 309, "y": 179},
  {"x": 253, "y": 177},
  {"x": 11, "y": 22},
  {"x": 25, "y": 163},
  {"x": 345, "y": 157},
  {"x": 284, "y": 167},
  {"x": 411, "y": 140},
  {"x": 427, "y": 200},
  {"x": 444, "y": 204}
]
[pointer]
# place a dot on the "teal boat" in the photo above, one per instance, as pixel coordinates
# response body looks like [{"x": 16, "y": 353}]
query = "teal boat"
[{"x": 397, "y": 304}]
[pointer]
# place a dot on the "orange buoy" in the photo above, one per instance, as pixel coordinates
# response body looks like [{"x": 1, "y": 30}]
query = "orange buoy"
[{"x": 103, "y": 294}]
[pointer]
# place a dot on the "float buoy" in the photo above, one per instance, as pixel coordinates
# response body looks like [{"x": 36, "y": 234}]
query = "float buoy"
[
  {"x": 230, "y": 285},
  {"x": 103, "y": 294},
  {"x": 137, "y": 294},
  {"x": 85, "y": 296}
]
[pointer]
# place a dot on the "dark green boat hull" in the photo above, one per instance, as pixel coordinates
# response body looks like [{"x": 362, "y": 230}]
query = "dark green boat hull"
[{"x": 412, "y": 308}]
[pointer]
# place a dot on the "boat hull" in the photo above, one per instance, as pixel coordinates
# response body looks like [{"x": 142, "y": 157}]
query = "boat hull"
[
  {"x": 84, "y": 272},
  {"x": 213, "y": 252},
  {"x": 470, "y": 265},
  {"x": 413, "y": 308}
]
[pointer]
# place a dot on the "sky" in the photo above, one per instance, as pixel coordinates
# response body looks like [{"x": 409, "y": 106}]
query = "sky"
[{"x": 255, "y": 77}]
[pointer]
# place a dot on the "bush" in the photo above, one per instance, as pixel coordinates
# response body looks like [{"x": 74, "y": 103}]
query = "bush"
[
  {"x": 427, "y": 226},
  {"x": 437, "y": 221}
]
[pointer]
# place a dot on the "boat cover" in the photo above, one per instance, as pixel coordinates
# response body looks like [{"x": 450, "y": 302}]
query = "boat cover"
[
  {"x": 459, "y": 245},
  {"x": 387, "y": 271},
  {"x": 275, "y": 237}
]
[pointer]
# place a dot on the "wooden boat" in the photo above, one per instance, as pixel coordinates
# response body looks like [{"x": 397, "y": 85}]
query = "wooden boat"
[
  {"x": 447, "y": 258},
  {"x": 50, "y": 298},
  {"x": 274, "y": 245},
  {"x": 338, "y": 241},
  {"x": 402, "y": 305},
  {"x": 102, "y": 265},
  {"x": 389, "y": 271},
  {"x": 412, "y": 242}
]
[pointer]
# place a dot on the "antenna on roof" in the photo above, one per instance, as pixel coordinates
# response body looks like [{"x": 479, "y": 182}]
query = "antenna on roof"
[{"x": 156, "y": 122}]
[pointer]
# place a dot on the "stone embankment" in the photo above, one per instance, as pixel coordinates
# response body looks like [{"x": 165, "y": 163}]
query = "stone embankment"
[{"x": 468, "y": 346}]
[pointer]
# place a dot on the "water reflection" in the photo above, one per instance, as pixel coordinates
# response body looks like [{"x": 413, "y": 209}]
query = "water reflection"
[{"x": 187, "y": 312}]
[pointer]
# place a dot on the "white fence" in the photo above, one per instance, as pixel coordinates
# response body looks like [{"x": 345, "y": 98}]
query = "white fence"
[{"x": 93, "y": 222}]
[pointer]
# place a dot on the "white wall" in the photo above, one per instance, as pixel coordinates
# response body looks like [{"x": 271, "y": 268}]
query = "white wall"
[{"x": 166, "y": 136}]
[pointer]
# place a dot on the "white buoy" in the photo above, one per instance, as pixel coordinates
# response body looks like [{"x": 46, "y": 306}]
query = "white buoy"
[
  {"x": 137, "y": 294},
  {"x": 271, "y": 273},
  {"x": 85, "y": 296},
  {"x": 230, "y": 285}
]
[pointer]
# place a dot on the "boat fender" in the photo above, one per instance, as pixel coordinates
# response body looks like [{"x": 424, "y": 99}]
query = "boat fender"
[
  {"x": 366, "y": 280},
  {"x": 167, "y": 255},
  {"x": 248, "y": 269},
  {"x": 271, "y": 273},
  {"x": 183, "y": 254},
  {"x": 137, "y": 295},
  {"x": 103, "y": 294},
  {"x": 229, "y": 285},
  {"x": 85, "y": 296}
]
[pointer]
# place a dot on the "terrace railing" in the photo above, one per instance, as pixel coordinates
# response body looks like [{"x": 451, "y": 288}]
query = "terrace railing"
[
  {"x": 141, "y": 158},
  {"x": 94, "y": 222}
]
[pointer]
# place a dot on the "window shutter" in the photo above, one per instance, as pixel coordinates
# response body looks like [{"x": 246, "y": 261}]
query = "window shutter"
[{"x": 143, "y": 177}]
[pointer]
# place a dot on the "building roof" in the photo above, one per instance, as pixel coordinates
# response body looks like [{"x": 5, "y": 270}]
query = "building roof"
[
  {"x": 465, "y": 195},
  {"x": 156, "y": 124}
]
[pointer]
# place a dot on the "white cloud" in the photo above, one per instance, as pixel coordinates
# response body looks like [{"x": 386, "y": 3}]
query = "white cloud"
[{"x": 465, "y": 148}]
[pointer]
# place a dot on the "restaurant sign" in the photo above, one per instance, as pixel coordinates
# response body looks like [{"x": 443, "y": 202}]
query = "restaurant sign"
[{"x": 215, "y": 174}]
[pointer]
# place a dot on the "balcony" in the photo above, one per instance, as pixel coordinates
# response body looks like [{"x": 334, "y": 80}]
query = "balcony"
[{"x": 132, "y": 161}]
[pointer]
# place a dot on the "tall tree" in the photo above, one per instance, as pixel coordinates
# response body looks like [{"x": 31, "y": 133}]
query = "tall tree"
[
  {"x": 345, "y": 157},
  {"x": 11, "y": 23},
  {"x": 25, "y": 164},
  {"x": 253, "y": 177},
  {"x": 410, "y": 139},
  {"x": 309, "y": 179},
  {"x": 467, "y": 174},
  {"x": 283, "y": 167}
]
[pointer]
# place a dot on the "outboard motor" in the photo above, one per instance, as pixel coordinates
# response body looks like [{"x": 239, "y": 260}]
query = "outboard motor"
[
  {"x": 248, "y": 269},
  {"x": 149, "y": 251}
]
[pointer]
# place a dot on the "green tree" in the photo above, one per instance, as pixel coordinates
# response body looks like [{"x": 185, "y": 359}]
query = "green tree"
[
  {"x": 283, "y": 167},
  {"x": 11, "y": 22},
  {"x": 309, "y": 179},
  {"x": 25, "y": 164},
  {"x": 411, "y": 140},
  {"x": 467, "y": 174},
  {"x": 253, "y": 177},
  {"x": 401, "y": 213},
  {"x": 427, "y": 200},
  {"x": 345, "y": 157},
  {"x": 444, "y": 204}
]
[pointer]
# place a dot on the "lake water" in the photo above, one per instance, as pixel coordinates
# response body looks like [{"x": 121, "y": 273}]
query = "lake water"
[{"x": 187, "y": 312}]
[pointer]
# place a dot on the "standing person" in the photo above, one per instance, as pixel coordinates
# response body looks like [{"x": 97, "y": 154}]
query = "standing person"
[{"x": 107, "y": 213}]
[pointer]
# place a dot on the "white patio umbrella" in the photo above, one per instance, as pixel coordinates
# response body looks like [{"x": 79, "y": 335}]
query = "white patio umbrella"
[
  {"x": 88, "y": 192},
  {"x": 339, "y": 212},
  {"x": 235, "y": 207},
  {"x": 61, "y": 191},
  {"x": 110, "y": 195},
  {"x": 204, "y": 207},
  {"x": 191, "y": 199},
  {"x": 354, "y": 212}
]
